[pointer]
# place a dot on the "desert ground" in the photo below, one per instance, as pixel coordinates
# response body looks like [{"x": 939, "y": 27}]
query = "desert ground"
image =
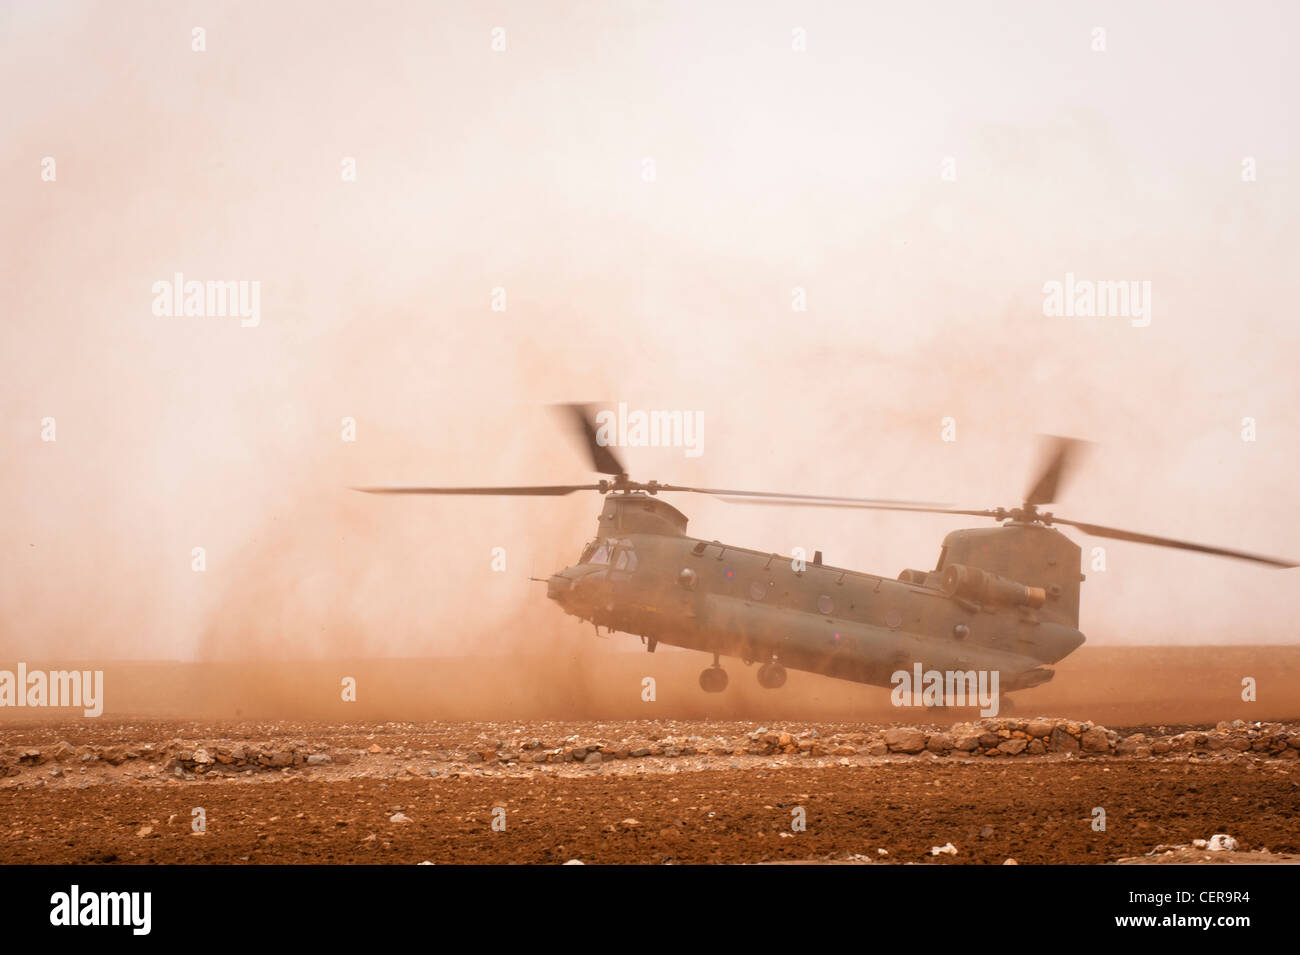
[{"x": 554, "y": 760}]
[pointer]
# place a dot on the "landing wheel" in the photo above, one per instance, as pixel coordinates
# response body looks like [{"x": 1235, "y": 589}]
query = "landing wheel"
[
  {"x": 713, "y": 679},
  {"x": 771, "y": 676}
]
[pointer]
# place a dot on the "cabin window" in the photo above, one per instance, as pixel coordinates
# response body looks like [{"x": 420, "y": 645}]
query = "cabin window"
[
  {"x": 625, "y": 559},
  {"x": 825, "y": 605},
  {"x": 601, "y": 552},
  {"x": 757, "y": 590}
]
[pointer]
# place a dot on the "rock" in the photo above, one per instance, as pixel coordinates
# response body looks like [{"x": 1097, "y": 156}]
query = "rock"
[
  {"x": 318, "y": 759},
  {"x": 639, "y": 753},
  {"x": 1062, "y": 742},
  {"x": 1221, "y": 842},
  {"x": 939, "y": 743},
  {"x": 1012, "y": 747},
  {"x": 375, "y": 748},
  {"x": 986, "y": 832},
  {"x": 1129, "y": 745},
  {"x": 144, "y": 832},
  {"x": 592, "y": 758},
  {"x": 398, "y": 818},
  {"x": 905, "y": 739},
  {"x": 948, "y": 849},
  {"x": 575, "y": 862},
  {"x": 1161, "y": 746},
  {"x": 967, "y": 740},
  {"x": 1095, "y": 741},
  {"x": 878, "y": 748},
  {"x": 1036, "y": 747},
  {"x": 1011, "y": 862},
  {"x": 1040, "y": 728}
]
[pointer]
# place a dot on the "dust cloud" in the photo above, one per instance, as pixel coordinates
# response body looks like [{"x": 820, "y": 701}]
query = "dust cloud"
[{"x": 523, "y": 171}]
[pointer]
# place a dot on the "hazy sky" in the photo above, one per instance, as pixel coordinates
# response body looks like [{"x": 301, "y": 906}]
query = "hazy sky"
[{"x": 523, "y": 169}]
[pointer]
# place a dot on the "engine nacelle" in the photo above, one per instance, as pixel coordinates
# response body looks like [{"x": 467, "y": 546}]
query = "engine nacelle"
[{"x": 983, "y": 587}]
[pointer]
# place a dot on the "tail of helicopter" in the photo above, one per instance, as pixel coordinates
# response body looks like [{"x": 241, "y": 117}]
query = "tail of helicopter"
[{"x": 1028, "y": 565}]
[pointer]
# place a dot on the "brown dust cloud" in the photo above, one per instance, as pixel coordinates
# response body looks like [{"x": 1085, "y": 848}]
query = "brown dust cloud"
[{"x": 526, "y": 170}]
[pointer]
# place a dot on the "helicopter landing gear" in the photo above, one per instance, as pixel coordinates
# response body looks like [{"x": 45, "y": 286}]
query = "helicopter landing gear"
[
  {"x": 771, "y": 676},
  {"x": 713, "y": 679}
]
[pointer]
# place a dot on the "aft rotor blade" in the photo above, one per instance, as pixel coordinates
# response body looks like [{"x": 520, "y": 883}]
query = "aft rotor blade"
[
  {"x": 1100, "y": 530},
  {"x": 1058, "y": 463},
  {"x": 603, "y": 459},
  {"x": 526, "y": 490}
]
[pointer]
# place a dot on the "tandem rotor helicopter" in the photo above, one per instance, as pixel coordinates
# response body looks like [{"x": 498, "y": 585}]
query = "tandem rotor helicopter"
[{"x": 1002, "y": 599}]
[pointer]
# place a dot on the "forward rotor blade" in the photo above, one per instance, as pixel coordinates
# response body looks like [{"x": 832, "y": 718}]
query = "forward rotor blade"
[
  {"x": 859, "y": 505},
  {"x": 778, "y": 497},
  {"x": 533, "y": 490},
  {"x": 603, "y": 459},
  {"x": 1100, "y": 530},
  {"x": 1045, "y": 488}
]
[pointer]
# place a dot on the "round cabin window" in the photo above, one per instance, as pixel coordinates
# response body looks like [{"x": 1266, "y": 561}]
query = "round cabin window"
[
  {"x": 893, "y": 620},
  {"x": 757, "y": 590},
  {"x": 825, "y": 605}
]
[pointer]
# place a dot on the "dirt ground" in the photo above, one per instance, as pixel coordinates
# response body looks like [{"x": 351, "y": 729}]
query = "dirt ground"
[
  {"x": 429, "y": 766},
  {"x": 399, "y": 793}
]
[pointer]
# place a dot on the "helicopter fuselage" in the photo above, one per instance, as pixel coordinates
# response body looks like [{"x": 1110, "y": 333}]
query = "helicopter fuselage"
[{"x": 1001, "y": 599}]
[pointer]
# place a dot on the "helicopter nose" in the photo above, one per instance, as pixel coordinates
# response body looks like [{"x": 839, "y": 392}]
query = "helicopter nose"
[{"x": 558, "y": 586}]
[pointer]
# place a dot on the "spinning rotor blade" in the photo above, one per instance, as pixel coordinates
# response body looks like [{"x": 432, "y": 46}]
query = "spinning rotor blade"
[
  {"x": 779, "y": 497},
  {"x": 603, "y": 459},
  {"x": 534, "y": 490},
  {"x": 1045, "y": 488},
  {"x": 856, "y": 503},
  {"x": 1100, "y": 530}
]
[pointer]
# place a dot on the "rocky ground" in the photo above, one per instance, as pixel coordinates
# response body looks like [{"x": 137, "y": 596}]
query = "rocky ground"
[{"x": 987, "y": 791}]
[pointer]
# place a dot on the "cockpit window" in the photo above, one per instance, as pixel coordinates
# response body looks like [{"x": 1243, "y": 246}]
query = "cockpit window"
[{"x": 610, "y": 551}]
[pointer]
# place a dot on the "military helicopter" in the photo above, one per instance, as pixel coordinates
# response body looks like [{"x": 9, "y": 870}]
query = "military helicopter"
[{"x": 1002, "y": 599}]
